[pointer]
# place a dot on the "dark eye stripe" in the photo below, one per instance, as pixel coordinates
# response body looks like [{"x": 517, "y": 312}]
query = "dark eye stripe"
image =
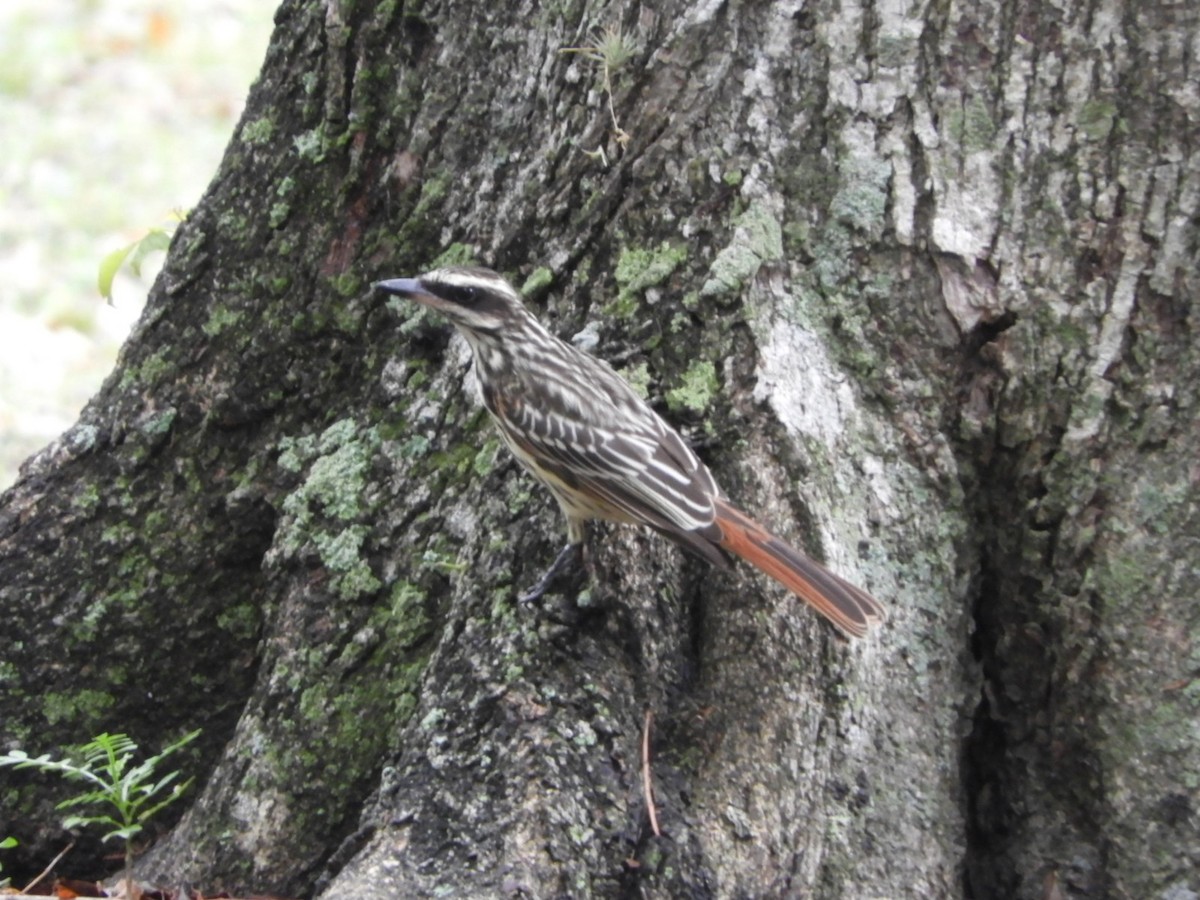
[{"x": 464, "y": 295}]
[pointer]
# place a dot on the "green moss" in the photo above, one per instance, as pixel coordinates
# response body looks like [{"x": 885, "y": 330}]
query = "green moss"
[
  {"x": 415, "y": 447},
  {"x": 220, "y": 318},
  {"x": 118, "y": 534},
  {"x": 413, "y": 316},
  {"x": 147, "y": 372},
  {"x": 280, "y": 210},
  {"x": 87, "y": 500},
  {"x": 311, "y": 145},
  {"x": 638, "y": 270},
  {"x": 861, "y": 199},
  {"x": 83, "y": 705},
  {"x": 433, "y": 189},
  {"x": 971, "y": 125},
  {"x": 420, "y": 229},
  {"x": 699, "y": 386},
  {"x": 485, "y": 459},
  {"x": 234, "y": 223},
  {"x": 348, "y": 284},
  {"x": 407, "y": 620},
  {"x": 832, "y": 261},
  {"x": 638, "y": 377},
  {"x": 337, "y": 436},
  {"x": 442, "y": 560},
  {"x": 258, "y": 132},
  {"x": 333, "y": 490},
  {"x": 795, "y": 237},
  {"x": 334, "y": 483},
  {"x": 584, "y": 735},
  {"x": 455, "y": 461},
  {"x": 539, "y": 279},
  {"x": 757, "y": 238},
  {"x": 160, "y": 423},
  {"x": 361, "y": 696},
  {"x": 406, "y": 705},
  {"x": 241, "y": 621},
  {"x": 284, "y": 245},
  {"x": 295, "y": 452}
]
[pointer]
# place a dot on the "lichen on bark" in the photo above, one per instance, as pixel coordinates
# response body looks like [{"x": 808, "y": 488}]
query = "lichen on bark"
[{"x": 917, "y": 280}]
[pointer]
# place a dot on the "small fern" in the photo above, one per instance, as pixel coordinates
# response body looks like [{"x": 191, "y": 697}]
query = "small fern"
[{"x": 135, "y": 792}]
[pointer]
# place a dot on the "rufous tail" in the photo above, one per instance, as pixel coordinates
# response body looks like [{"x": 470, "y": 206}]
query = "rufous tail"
[{"x": 851, "y": 609}]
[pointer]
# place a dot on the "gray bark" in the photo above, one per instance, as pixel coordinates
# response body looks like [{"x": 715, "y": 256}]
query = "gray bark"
[{"x": 917, "y": 279}]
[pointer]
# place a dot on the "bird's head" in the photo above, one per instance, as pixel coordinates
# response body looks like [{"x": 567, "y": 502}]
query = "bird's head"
[{"x": 477, "y": 300}]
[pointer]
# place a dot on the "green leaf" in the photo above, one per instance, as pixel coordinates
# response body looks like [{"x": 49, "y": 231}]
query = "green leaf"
[
  {"x": 155, "y": 239},
  {"x": 179, "y": 789},
  {"x": 76, "y": 821},
  {"x": 127, "y": 791},
  {"x": 109, "y": 266},
  {"x": 136, "y": 253}
]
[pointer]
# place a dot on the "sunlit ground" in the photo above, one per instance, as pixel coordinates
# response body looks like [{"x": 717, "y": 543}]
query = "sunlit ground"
[{"x": 113, "y": 115}]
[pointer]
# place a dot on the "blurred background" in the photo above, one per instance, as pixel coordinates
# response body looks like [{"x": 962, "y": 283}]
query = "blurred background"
[{"x": 113, "y": 117}]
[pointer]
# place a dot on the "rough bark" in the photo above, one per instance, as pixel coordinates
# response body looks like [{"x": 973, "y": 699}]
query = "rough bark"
[{"x": 916, "y": 278}]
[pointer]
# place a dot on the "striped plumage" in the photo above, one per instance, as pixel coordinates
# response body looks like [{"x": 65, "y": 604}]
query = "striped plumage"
[{"x": 603, "y": 452}]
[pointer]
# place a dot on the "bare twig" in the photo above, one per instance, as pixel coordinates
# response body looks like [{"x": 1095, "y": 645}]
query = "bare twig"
[
  {"x": 647, "y": 786},
  {"x": 619, "y": 133},
  {"x": 46, "y": 871}
]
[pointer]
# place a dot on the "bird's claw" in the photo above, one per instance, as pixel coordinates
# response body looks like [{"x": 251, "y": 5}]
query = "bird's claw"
[{"x": 568, "y": 557}]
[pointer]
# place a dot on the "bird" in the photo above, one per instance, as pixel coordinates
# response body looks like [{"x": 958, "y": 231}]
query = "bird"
[{"x": 603, "y": 452}]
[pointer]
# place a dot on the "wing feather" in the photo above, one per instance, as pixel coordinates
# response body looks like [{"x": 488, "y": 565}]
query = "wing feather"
[{"x": 637, "y": 463}]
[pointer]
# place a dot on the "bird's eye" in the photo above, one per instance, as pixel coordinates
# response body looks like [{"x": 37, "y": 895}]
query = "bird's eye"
[{"x": 464, "y": 294}]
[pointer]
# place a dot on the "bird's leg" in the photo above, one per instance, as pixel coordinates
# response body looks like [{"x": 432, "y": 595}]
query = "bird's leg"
[{"x": 568, "y": 558}]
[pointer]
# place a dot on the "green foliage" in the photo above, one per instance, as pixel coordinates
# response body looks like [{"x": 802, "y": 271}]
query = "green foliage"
[
  {"x": 135, "y": 792},
  {"x": 106, "y": 769},
  {"x": 156, "y": 239},
  {"x": 610, "y": 51},
  {"x": 6, "y": 844}
]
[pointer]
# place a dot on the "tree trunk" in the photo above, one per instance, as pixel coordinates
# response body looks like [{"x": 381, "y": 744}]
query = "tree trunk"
[{"x": 915, "y": 278}]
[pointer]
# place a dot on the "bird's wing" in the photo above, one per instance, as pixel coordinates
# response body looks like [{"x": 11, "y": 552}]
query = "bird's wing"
[{"x": 606, "y": 441}]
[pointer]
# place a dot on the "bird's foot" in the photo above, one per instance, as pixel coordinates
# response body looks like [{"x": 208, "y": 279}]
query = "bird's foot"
[{"x": 567, "y": 560}]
